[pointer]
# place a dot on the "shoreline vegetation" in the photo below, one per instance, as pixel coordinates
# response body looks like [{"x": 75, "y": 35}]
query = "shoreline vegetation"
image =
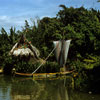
[{"x": 80, "y": 25}]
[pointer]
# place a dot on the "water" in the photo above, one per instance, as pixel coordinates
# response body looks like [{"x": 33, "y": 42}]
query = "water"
[{"x": 16, "y": 88}]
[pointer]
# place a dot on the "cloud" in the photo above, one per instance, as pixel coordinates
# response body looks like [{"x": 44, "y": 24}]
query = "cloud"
[
  {"x": 8, "y": 21},
  {"x": 15, "y": 12},
  {"x": 18, "y": 20}
]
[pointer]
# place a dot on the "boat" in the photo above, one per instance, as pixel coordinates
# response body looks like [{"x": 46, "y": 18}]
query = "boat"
[
  {"x": 61, "y": 49},
  {"x": 43, "y": 75}
]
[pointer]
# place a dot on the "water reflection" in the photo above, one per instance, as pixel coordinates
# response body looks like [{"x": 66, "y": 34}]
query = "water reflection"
[
  {"x": 12, "y": 88},
  {"x": 29, "y": 89},
  {"x": 5, "y": 88}
]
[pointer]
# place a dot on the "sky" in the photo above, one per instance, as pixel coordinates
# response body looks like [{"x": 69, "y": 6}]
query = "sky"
[{"x": 13, "y": 13}]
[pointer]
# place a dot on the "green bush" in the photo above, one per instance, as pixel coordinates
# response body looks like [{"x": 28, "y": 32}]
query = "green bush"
[
  {"x": 24, "y": 66},
  {"x": 49, "y": 67}
]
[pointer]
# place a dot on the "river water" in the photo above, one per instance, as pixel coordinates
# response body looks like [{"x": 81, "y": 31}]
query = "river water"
[{"x": 17, "y": 88}]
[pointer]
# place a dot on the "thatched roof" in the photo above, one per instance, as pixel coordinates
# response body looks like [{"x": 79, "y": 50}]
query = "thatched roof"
[{"x": 24, "y": 48}]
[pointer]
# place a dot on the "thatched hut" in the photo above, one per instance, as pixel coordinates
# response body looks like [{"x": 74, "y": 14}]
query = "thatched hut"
[
  {"x": 24, "y": 48},
  {"x": 25, "y": 56}
]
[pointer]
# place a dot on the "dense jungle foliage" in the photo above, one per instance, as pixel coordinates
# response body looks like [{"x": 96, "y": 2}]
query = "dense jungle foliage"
[{"x": 80, "y": 25}]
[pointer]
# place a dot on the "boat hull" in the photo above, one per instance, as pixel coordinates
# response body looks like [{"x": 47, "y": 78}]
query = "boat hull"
[{"x": 43, "y": 75}]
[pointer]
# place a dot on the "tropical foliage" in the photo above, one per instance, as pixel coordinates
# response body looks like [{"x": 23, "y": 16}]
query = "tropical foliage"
[{"x": 79, "y": 24}]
